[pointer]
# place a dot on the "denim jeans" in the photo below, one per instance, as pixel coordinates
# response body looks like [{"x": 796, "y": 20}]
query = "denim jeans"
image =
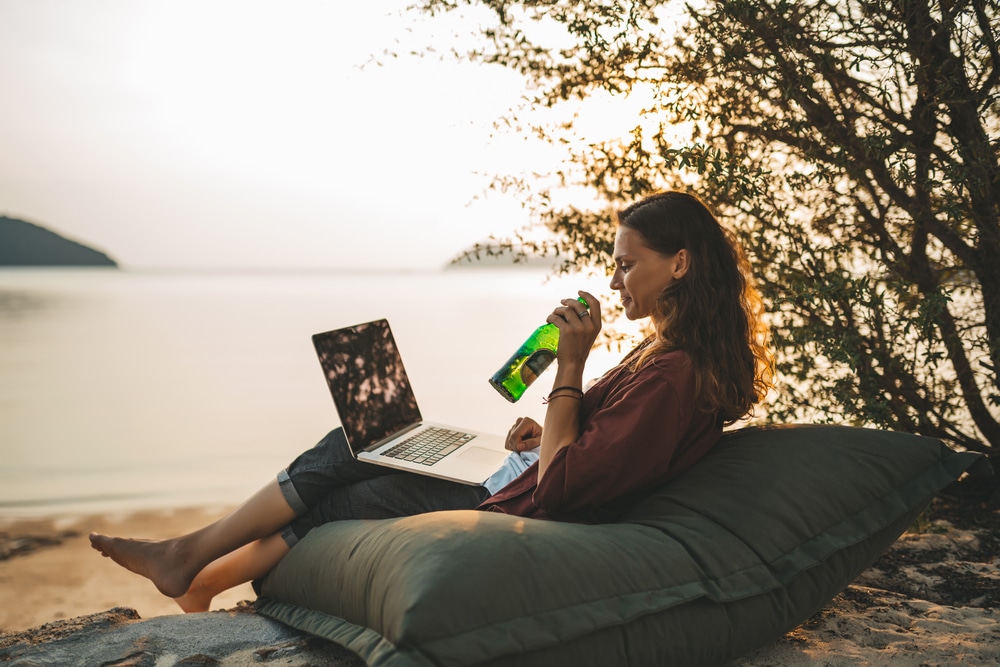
[{"x": 326, "y": 483}]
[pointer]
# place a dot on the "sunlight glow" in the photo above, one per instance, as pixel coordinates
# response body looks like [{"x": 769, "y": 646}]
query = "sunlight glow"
[
  {"x": 299, "y": 134},
  {"x": 245, "y": 134}
]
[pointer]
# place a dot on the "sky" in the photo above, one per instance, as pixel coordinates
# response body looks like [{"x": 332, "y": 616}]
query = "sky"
[{"x": 241, "y": 134}]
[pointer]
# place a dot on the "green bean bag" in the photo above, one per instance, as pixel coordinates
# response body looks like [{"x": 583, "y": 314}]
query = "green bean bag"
[{"x": 742, "y": 548}]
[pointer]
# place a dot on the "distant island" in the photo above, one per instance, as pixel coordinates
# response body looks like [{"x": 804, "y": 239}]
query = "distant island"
[
  {"x": 491, "y": 255},
  {"x": 26, "y": 244}
]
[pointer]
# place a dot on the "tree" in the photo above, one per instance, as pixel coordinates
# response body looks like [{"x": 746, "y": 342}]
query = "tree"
[{"x": 851, "y": 144}]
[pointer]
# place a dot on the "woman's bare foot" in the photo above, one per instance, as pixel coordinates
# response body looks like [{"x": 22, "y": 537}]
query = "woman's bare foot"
[{"x": 164, "y": 562}]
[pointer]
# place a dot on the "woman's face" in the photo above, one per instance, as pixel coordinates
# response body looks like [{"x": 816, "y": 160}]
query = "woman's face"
[{"x": 642, "y": 273}]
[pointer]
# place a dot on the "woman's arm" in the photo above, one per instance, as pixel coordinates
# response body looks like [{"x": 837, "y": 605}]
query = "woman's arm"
[
  {"x": 577, "y": 332},
  {"x": 561, "y": 425}
]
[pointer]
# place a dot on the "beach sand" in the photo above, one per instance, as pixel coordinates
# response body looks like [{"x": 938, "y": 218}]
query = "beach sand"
[
  {"x": 68, "y": 579},
  {"x": 931, "y": 601}
]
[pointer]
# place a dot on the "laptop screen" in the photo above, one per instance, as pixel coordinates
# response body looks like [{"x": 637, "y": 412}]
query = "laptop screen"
[{"x": 368, "y": 382}]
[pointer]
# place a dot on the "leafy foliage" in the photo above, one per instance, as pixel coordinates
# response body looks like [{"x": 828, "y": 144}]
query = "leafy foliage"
[{"x": 853, "y": 146}]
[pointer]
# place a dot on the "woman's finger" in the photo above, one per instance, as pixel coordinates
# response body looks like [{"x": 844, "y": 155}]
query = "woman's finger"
[
  {"x": 571, "y": 314},
  {"x": 509, "y": 441},
  {"x": 593, "y": 305},
  {"x": 581, "y": 310}
]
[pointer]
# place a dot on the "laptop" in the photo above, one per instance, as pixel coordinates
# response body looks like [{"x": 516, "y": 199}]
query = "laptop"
[{"x": 379, "y": 412}]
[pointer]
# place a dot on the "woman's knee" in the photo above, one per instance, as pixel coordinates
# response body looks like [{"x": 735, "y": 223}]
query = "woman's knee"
[
  {"x": 328, "y": 465},
  {"x": 331, "y": 450}
]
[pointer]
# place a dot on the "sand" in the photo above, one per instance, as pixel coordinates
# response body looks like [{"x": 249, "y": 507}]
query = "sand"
[
  {"x": 931, "y": 601},
  {"x": 71, "y": 579}
]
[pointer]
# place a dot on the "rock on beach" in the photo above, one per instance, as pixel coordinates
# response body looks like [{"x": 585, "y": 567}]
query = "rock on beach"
[{"x": 119, "y": 638}]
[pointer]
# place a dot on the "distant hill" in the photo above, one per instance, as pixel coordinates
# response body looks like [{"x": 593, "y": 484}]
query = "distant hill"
[
  {"x": 25, "y": 244},
  {"x": 489, "y": 255}
]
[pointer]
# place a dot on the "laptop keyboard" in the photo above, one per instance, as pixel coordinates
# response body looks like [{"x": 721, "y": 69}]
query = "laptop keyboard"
[{"x": 429, "y": 446}]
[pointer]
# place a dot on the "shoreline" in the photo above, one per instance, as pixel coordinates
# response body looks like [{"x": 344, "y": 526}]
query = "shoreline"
[{"x": 60, "y": 576}]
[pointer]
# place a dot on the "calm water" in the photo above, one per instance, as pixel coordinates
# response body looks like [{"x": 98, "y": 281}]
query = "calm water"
[{"x": 121, "y": 390}]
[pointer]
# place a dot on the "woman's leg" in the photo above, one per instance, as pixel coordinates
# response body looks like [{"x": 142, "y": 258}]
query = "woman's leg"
[
  {"x": 325, "y": 483},
  {"x": 172, "y": 564},
  {"x": 386, "y": 496},
  {"x": 247, "y": 563}
]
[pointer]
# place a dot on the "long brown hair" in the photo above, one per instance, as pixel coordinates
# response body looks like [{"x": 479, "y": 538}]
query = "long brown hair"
[{"x": 713, "y": 312}]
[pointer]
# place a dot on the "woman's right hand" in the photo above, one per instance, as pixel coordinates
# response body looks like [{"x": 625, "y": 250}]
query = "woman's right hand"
[
  {"x": 578, "y": 326},
  {"x": 525, "y": 434}
]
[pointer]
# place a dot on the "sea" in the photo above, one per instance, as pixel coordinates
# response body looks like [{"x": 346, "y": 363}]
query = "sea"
[{"x": 123, "y": 390}]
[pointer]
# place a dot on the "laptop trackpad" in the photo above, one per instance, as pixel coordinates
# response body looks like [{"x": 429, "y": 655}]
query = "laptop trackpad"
[{"x": 482, "y": 455}]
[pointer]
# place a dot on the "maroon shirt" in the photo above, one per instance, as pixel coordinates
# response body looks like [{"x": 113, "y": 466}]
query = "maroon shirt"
[{"x": 637, "y": 431}]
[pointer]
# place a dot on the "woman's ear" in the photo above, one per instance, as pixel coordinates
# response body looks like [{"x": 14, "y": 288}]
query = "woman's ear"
[{"x": 682, "y": 261}]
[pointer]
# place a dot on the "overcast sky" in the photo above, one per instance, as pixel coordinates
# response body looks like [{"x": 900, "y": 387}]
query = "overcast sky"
[{"x": 225, "y": 133}]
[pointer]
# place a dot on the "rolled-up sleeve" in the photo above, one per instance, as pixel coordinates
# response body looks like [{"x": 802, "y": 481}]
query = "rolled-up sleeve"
[{"x": 628, "y": 443}]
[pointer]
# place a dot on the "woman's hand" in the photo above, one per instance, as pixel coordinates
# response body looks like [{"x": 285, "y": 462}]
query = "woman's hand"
[
  {"x": 525, "y": 434},
  {"x": 578, "y": 328}
]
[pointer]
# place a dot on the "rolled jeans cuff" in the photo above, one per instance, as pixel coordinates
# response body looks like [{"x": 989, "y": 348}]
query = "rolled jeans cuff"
[
  {"x": 289, "y": 536},
  {"x": 290, "y": 494}
]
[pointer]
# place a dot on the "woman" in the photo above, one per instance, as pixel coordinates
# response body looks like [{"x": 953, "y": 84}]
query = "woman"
[{"x": 643, "y": 423}]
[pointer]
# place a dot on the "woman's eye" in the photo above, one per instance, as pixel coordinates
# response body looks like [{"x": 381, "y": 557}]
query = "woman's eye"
[{"x": 625, "y": 268}]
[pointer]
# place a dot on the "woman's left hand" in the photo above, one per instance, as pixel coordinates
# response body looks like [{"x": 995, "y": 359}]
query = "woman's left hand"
[
  {"x": 525, "y": 434},
  {"x": 578, "y": 328}
]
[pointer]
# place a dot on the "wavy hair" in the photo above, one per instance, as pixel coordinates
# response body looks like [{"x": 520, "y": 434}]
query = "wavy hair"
[{"x": 713, "y": 313}]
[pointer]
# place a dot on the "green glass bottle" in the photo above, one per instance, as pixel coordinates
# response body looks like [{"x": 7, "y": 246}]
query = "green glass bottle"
[{"x": 533, "y": 357}]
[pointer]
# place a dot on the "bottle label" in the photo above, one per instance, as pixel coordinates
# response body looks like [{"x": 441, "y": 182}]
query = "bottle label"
[{"x": 535, "y": 364}]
